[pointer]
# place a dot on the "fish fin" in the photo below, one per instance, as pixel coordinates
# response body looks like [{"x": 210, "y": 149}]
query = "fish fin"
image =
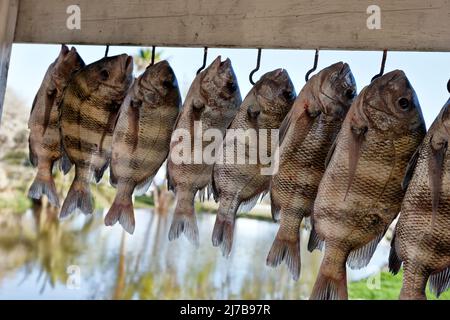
[
  {"x": 112, "y": 177},
  {"x": 49, "y": 101},
  {"x": 275, "y": 211},
  {"x": 440, "y": 282},
  {"x": 328, "y": 288},
  {"x": 360, "y": 257},
  {"x": 287, "y": 250},
  {"x": 170, "y": 186},
  {"x": 214, "y": 190},
  {"x": 355, "y": 142},
  {"x": 205, "y": 193},
  {"x": 33, "y": 157},
  {"x": 121, "y": 211},
  {"x": 247, "y": 205},
  {"x": 44, "y": 186},
  {"x": 410, "y": 169},
  {"x": 300, "y": 118},
  {"x": 110, "y": 125},
  {"x": 184, "y": 221},
  {"x": 223, "y": 233},
  {"x": 395, "y": 262},
  {"x": 315, "y": 242},
  {"x": 331, "y": 152},
  {"x": 64, "y": 163},
  {"x": 98, "y": 172},
  {"x": 133, "y": 121},
  {"x": 143, "y": 187},
  {"x": 34, "y": 104},
  {"x": 435, "y": 170},
  {"x": 78, "y": 197}
]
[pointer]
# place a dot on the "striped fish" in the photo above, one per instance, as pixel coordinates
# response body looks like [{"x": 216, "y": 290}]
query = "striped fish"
[
  {"x": 141, "y": 138},
  {"x": 308, "y": 132},
  {"x": 89, "y": 111},
  {"x": 360, "y": 193},
  {"x": 45, "y": 139},
  {"x": 211, "y": 103},
  {"x": 240, "y": 182},
  {"x": 422, "y": 234}
]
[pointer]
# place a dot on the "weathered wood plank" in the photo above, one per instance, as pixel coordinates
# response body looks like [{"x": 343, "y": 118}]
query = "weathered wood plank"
[
  {"x": 8, "y": 14},
  {"x": 419, "y": 25}
]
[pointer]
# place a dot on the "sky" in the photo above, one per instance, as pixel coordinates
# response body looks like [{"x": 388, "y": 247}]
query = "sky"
[{"x": 428, "y": 72}]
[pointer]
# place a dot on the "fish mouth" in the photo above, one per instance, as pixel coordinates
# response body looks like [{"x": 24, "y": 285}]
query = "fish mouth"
[
  {"x": 392, "y": 76},
  {"x": 225, "y": 64}
]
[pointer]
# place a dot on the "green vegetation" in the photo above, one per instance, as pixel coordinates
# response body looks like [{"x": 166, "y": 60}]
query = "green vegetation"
[
  {"x": 16, "y": 202},
  {"x": 389, "y": 288},
  {"x": 14, "y": 157}
]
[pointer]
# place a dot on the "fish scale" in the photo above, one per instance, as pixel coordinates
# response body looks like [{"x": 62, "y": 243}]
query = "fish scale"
[
  {"x": 88, "y": 112},
  {"x": 360, "y": 193},
  {"x": 142, "y": 138},
  {"x": 312, "y": 126},
  {"x": 423, "y": 245},
  {"x": 45, "y": 139},
  {"x": 235, "y": 185},
  {"x": 212, "y": 100}
]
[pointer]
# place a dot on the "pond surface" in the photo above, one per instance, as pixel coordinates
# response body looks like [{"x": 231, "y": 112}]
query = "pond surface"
[{"x": 80, "y": 258}]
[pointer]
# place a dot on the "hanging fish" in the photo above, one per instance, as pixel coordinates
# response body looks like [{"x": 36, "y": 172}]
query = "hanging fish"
[
  {"x": 308, "y": 132},
  {"x": 360, "y": 193},
  {"x": 89, "y": 111},
  {"x": 45, "y": 139},
  {"x": 141, "y": 138},
  {"x": 422, "y": 234},
  {"x": 238, "y": 183},
  {"x": 210, "y": 106}
]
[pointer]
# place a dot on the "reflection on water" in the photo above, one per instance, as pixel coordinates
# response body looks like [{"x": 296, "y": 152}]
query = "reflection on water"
[{"x": 37, "y": 252}]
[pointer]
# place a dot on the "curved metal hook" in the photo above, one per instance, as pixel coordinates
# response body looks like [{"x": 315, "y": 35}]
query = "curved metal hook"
[
  {"x": 316, "y": 60},
  {"x": 258, "y": 63},
  {"x": 205, "y": 56},
  {"x": 106, "y": 50},
  {"x": 383, "y": 64},
  {"x": 153, "y": 55},
  {"x": 448, "y": 86}
]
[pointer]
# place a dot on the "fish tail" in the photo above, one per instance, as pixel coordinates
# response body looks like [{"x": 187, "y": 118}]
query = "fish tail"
[
  {"x": 44, "y": 184},
  {"x": 222, "y": 235},
  {"x": 286, "y": 246},
  {"x": 331, "y": 282},
  {"x": 287, "y": 250},
  {"x": 78, "y": 197},
  {"x": 184, "y": 220},
  {"x": 122, "y": 211}
]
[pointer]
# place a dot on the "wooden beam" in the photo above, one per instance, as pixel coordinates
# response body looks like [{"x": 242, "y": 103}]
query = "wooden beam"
[
  {"x": 8, "y": 14},
  {"x": 412, "y": 25}
]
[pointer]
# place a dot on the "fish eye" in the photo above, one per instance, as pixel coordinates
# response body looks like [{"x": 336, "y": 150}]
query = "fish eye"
[
  {"x": 350, "y": 93},
  {"x": 104, "y": 74},
  {"x": 231, "y": 86},
  {"x": 288, "y": 94},
  {"x": 403, "y": 103},
  {"x": 167, "y": 84}
]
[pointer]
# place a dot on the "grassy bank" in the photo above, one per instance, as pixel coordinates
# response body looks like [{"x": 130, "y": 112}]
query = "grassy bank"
[{"x": 388, "y": 289}]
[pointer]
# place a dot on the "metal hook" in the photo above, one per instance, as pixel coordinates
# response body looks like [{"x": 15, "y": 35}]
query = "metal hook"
[
  {"x": 316, "y": 60},
  {"x": 107, "y": 50},
  {"x": 205, "y": 56},
  {"x": 383, "y": 64},
  {"x": 448, "y": 86},
  {"x": 258, "y": 63},
  {"x": 153, "y": 55}
]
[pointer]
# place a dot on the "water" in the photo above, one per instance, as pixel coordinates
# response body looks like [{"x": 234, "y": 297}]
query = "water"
[{"x": 44, "y": 258}]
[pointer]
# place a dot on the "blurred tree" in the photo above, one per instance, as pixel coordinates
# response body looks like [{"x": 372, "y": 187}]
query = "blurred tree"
[{"x": 143, "y": 58}]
